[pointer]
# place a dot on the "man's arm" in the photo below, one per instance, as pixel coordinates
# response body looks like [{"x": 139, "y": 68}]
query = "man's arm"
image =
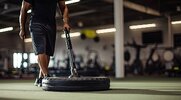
[
  {"x": 64, "y": 10},
  {"x": 22, "y": 18}
]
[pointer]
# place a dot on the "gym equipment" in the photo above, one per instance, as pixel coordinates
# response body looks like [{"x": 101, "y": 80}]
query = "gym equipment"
[
  {"x": 127, "y": 57},
  {"x": 168, "y": 55},
  {"x": 171, "y": 60},
  {"x": 74, "y": 82},
  {"x": 137, "y": 66},
  {"x": 90, "y": 34},
  {"x": 153, "y": 63}
]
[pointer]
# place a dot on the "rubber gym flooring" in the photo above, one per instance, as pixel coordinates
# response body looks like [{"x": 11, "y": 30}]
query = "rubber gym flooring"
[{"x": 122, "y": 89}]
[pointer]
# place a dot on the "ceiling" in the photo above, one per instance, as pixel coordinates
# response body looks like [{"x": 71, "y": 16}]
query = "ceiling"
[{"x": 92, "y": 13}]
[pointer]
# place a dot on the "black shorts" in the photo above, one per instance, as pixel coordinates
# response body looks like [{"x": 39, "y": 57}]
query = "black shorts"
[{"x": 43, "y": 38}]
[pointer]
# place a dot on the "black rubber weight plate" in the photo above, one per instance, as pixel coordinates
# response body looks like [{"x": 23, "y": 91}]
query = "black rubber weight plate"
[{"x": 76, "y": 84}]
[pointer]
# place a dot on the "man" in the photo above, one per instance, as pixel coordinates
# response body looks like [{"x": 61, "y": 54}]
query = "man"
[{"x": 42, "y": 29}]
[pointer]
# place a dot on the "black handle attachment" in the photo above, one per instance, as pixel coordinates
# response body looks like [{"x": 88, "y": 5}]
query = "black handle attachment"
[{"x": 68, "y": 42}]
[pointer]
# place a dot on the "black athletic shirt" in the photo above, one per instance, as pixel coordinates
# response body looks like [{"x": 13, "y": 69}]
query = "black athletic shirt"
[{"x": 43, "y": 11}]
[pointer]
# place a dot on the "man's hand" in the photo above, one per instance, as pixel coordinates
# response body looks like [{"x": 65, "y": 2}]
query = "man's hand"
[
  {"x": 22, "y": 18},
  {"x": 64, "y": 10},
  {"x": 22, "y": 34},
  {"x": 66, "y": 26}
]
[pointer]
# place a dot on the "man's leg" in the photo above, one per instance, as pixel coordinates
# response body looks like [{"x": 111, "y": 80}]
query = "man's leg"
[
  {"x": 43, "y": 61},
  {"x": 40, "y": 74}
]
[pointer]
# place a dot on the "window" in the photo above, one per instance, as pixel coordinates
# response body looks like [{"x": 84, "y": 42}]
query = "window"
[
  {"x": 152, "y": 37},
  {"x": 32, "y": 58},
  {"x": 17, "y": 59},
  {"x": 28, "y": 59}
]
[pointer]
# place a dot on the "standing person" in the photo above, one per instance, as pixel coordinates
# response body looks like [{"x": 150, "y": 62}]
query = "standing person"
[{"x": 42, "y": 29}]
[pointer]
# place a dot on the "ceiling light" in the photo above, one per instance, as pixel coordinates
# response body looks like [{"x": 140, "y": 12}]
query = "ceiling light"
[
  {"x": 142, "y": 26},
  {"x": 176, "y": 22},
  {"x": 108, "y": 30},
  {"x": 5, "y": 6},
  {"x": 6, "y": 29},
  {"x": 66, "y": 2},
  {"x": 178, "y": 8},
  {"x": 71, "y": 1},
  {"x": 100, "y": 31},
  {"x": 27, "y": 40},
  {"x": 75, "y": 34}
]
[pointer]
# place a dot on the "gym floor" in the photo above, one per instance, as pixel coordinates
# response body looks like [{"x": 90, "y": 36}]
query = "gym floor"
[{"x": 123, "y": 89}]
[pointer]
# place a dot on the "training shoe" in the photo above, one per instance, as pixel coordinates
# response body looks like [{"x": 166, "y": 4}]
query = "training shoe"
[
  {"x": 38, "y": 82},
  {"x": 46, "y": 76}
]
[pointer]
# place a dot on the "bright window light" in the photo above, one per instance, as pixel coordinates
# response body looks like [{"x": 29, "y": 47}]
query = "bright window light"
[
  {"x": 71, "y": 1},
  {"x": 176, "y": 22},
  {"x": 6, "y": 29},
  {"x": 108, "y": 30},
  {"x": 75, "y": 34},
  {"x": 32, "y": 58},
  {"x": 142, "y": 26},
  {"x": 14, "y": 60},
  {"x": 25, "y": 64},
  {"x": 17, "y": 59},
  {"x": 27, "y": 40},
  {"x": 51, "y": 63},
  {"x": 25, "y": 56}
]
